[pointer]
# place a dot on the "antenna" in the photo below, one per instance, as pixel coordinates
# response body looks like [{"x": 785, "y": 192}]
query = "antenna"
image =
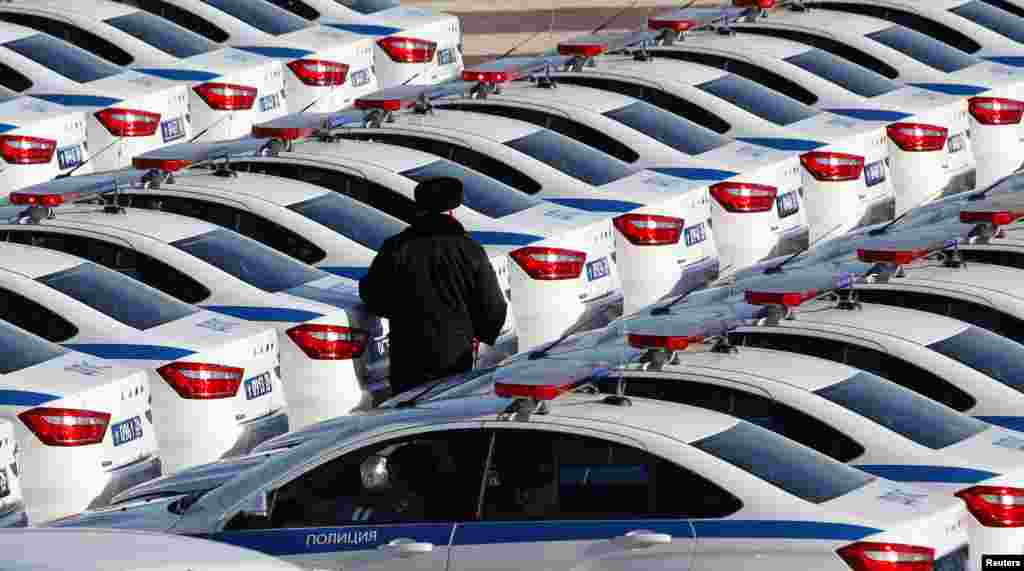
[
  {"x": 778, "y": 269},
  {"x": 91, "y": 157}
]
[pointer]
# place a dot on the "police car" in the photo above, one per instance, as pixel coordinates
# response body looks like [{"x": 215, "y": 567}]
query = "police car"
[
  {"x": 126, "y": 112},
  {"x": 228, "y": 89},
  {"x": 599, "y": 484},
  {"x": 994, "y": 90},
  {"x": 38, "y": 141},
  {"x": 214, "y": 381},
  {"x": 12, "y": 504},
  {"x": 323, "y": 326},
  {"x": 59, "y": 406},
  {"x": 101, "y": 549},
  {"x": 327, "y": 68}
]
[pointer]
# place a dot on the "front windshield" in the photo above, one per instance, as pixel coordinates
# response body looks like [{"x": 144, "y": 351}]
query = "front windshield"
[
  {"x": 988, "y": 353},
  {"x": 63, "y": 58},
  {"x": 758, "y": 100},
  {"x": 924, "y": 49},
  {"x": 118, "y": 296},
  {"x": 483, "y": 194},
  {"x": 668, "y": 128},
  {"x": 350, "y": 218},
  {"x": 844, "y": 73},
  {"x": 162, "y": 34},
  {"x": 571, "y": 157},
  {"x": 249, "y": 261},
  {"x": 263, "y": 16},
  {"x": 20, "y": 349}
]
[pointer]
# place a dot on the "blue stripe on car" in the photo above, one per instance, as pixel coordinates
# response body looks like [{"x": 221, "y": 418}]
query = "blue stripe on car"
[
  {"x": 365, "y": 29},
  {"x": 280, "y": 53},
  {"x": 504, "y": 238},
  {"x": 596, "y": 204},
  {"x": 74, "y": 100},
  {"x": 782, "y": 529},
  {"x": 1011, "y": 422},
  {"x": 178, "y": 74},
  {"x": 4, "y": 127},
  {"x": 351, "y": 272},
  {"x": 282, "y": 314},
  {"x": 870, "y": 114},
  {"x": 25, "y": 398},
  {"x": 952, "y": 88},
  {"x": 782, "y": 144},
  {"x": 128, "y": 351},
  {"x": 696, "y": 174},
  {"x": 1014, "y": 61},
  {"x": 909, "y": 473}
]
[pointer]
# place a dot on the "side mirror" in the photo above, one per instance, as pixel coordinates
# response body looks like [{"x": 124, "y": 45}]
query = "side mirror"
[{"x": 257, "y": 505}]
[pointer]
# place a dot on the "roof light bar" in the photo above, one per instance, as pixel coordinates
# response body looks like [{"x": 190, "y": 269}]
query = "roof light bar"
[
  {"x": 176, "y": 157},
  {"x": 995, "y": 216},
  {"x": 301, "y": 125},
  {"x": 901, "y": 251},
  {"x": 596, "y": 44},
  {"x": 70, "y": 189},
  {"x": 793, "y": 288},
  {"x": 686, "y": 19},
  {"x": 511, "y": 68},
  {"x": 536, "y": 392}
]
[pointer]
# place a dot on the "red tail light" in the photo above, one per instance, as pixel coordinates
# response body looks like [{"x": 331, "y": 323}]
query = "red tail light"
[
  {"x": 226, "y": 96},
  {"x": 833, "y": 167},
  {"x": 996, "y": 110},
  {"x": 408, "y": 50},
  {"x": 649, "y": 229},
  {"x": 995, "y": 506},
  {"x": 744, "y": 196},
  {"x": 319, "y": 72},
  {"x": 66, "y": 426},
  {"x": 329, "y": 342},
  {"x": 550, "y": 263},
  {"x": 129, "y": 122},
  {"x": 763, "y": 4},
  {"x": 21, "y": 150},
  {"x": 871, "y": 556},
  {"x": 202, "y": 381},
  {"x": 918, "y": 137}
]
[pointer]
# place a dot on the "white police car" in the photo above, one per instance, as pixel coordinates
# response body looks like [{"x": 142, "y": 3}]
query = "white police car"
[
  {"x": 126, "y": 112},
  {"x": 327, "y": 68},
  {"x": 214, "y": 382},
  {"x": 12, "y": 502},
  {"x": 587, "y": 480},
  {"x": 323, "y": 326},
  {"x": 59, "y": 406},
  {"x": 229, "y": 89},
  {"x": 38, "y": 141}
]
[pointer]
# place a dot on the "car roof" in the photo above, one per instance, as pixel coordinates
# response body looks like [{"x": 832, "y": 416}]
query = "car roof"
[
  {"x": 12, "y": 109},
  {"x": 852, "y": 23},
  {"x": 659, "y": 69},
  {"x": 766, "y": 46},
  {"x": 33, "y": 262},
  {"x": 883, "y": 320},
  {"x": 87, "y": 10},
  {"x": 161, "y": 226},
  {"x": 254, "y": 186},
  {"x": 11, "y": 32},
  {"x": 499, "y": 129},
  {"x": 382, "y": 155},
  {"x": 800, "y": 371},
  {"x": 975, "y": 278},
  {"x": 588, "y": 98}
]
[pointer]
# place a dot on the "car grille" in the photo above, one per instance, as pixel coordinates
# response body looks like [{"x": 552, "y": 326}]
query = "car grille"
[{"x": 954, "y": 561}]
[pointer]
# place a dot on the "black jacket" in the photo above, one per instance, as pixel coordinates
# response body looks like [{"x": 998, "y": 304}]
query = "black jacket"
[{"x": 437, "y": 287}]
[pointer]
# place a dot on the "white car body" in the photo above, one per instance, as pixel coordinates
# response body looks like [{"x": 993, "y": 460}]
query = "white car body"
[
  {"x": 192, "y": 428},
  {"x": 59, "y": 128}
]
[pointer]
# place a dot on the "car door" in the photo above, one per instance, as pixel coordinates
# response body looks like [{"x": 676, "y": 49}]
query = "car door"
[{"x": 583, "y": 500}]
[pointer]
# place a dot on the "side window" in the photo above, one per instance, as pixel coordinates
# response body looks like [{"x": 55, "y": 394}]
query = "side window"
[
  {"x": 1007, "y": 259},
  {"x": 910, "y": 376},
  {"x": 829, "y": 45},
  {"x": 974, "y": 313},
  {"x": 298, "y": 8},
  {"x": 753, "y": 408},
  {"x": 427, "y": 145},
  {"x": 433, "y": 477},
  {"x": 568, "y": 477},
  {"x": 34, "y": 318},
  {"x": 181, "y": 17},
  {"x": 1007, "y": 6},
  {"x": 815, "y": 347},
  {"x": 73, "y": 35},
  {"x": 944, "y": 34},
  {"x": 750, "y": 71},
  {"x": 13, "y": 80},
  {"x": 136, "y": 265}
]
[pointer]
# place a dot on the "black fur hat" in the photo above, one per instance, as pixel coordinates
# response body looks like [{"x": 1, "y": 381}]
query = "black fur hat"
[{"x": 439, "y": 194}]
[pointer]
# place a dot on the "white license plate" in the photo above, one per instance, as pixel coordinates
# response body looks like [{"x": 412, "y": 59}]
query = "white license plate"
[
  {"x": 597, "y": 269},
  {"x": 360, "y": 77},
  {"x": 173, "y": 129},
  {"x": 69, "y": 157},
  {"x": 695, "y": 234},
  {"x": 788, "y": 204},
  {"x": 874, "y": 173},
  {"x": 258, "y": 386},
  {"x": 445, "y": 56},
  {"x": 270, "y": 102},
  {"x": 956, "y": 143},
  {"x": 126, "y": 431}
]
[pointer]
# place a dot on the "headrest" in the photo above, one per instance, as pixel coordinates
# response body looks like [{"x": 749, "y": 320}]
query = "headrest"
[{"x": 439, "y": 195}]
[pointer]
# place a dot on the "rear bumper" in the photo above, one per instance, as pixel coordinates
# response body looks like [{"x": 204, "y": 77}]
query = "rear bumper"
[
  {"x": 881, "y": 211},
  {"x": 258, "y": 430},
  {"x": 791, "y": 242},
  {"x": 124, "y": 477},
  {"x": 961, "y": 182}
]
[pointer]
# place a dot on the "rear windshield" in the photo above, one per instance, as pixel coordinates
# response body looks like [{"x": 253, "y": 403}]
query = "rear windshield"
[
  {"x": 924, "y": 49},
  {"x": 987, "y": 16},
  {"x": 118, "y": 296},
  {"x": 263, "y": 16},
  {"x": 63, "y": 59},
  {"x": 668, "y": 128},
  {"x": 986, "y": 352},
  {"x": 903, "y": 411},
  {"x": 20, "y": 349},
  {"x": 794, "y": 468},
  {"x": 844, "y": 73},
  {"x": 482, "y": 193},
  {"x": 350, "y": 218},
  {"x": 759, "y": 100},
  {"x": 162, "y": 34},
  {"x": 571, "y": 157},
  {"x": 249, "y": 261}
]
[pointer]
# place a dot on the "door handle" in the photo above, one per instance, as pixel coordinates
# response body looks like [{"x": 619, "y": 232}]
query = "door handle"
[
  {"x": 405, "y": 547},
  {"x": 644, "y": 538}
]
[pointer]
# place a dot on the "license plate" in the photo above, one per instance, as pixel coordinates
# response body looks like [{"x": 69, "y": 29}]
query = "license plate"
[
  {"x": 126, "y": 431},
  {"x": 69, "y": 157},
  {"x": 258, "y": 386},
  {"x": 597, "y": 269},
  {"x": 361, "y": 77},
  {"x": 788, "y": 204},
  {"x": 5, "y": 484},
  {"x": 172, "y": 129},
  {"x": 874, "y": 173},
  {"x": 956, "y": 143},
  {"x": 445, "y": 56},
  {"x": 695, "y": 234},
  {"x": 270, "y": 102}
]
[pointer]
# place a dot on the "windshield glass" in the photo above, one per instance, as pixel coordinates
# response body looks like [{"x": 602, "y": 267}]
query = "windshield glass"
[
  {"x": 263, "y": 16},
  {"x": 903, "y": 411},
  {"x": 571, "y": 157},
  {"x": 162, "y": 34},
  {"x": 986, "y": 352},
  {"x": 668, "y": 128},
  {"x": 118, "y": 296},
  {"x": 924, "y": 49},
  {"x": 63, "y": 59},
  {"x": 350, "y": 218},
  {"x": 794, "y": 468},
  {"x": 20, "y": 349},
  {"x": 844, "y": 73},
  {"x": 482, "y": 193},
  {"x": 759, "y": 100},
  {"x": 987, "y": 16},
  {"x": 249, "y": 261}
]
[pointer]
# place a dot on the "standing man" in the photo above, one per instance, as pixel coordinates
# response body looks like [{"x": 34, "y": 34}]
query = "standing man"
[{"x": 437, "y": 287}]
